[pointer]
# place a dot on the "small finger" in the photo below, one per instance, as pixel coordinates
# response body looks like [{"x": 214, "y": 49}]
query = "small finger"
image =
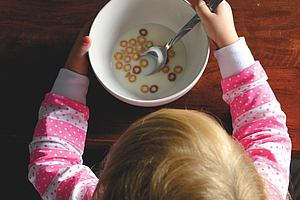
[{"x": 202, "y": 9}]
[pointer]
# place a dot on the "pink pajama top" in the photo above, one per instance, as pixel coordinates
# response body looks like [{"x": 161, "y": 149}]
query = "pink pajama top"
[{"x": 56, "y": 167}]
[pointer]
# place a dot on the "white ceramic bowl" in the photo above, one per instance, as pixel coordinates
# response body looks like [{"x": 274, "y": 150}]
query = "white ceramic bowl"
[{"x": 119, "y": 16}]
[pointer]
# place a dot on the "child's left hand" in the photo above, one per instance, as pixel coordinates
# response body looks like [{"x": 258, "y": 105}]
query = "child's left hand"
[{"x": 77, "y": 60}]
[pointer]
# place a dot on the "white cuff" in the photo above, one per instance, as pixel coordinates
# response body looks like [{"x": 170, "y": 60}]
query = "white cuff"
[
  {"x": 71, "y": 85},
  {"x": 234, "y": 58}
]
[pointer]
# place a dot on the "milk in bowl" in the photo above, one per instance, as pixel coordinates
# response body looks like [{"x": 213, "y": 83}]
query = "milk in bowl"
[{"x": 132, "y": 71}]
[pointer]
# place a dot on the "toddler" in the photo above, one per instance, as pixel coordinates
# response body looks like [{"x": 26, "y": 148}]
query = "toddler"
[{"x": 169, "y": 154}]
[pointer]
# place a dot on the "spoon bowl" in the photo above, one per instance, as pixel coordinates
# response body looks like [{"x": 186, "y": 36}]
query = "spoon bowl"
[{"x": 159, "y": 54}]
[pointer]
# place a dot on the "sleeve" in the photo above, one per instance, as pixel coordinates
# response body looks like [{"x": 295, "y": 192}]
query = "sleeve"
[
  {"x": 259, "y": 125},
  {"x": 234, "y": 58},
  {"x": 71, "y": 85},
  {"x": 56, "y": 167}
]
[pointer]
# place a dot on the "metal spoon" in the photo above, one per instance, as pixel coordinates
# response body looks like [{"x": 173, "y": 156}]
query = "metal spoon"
[{"x": 160, "y": 54}]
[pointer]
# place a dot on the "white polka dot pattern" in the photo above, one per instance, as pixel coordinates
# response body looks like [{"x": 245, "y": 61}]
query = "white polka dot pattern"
[
  {"x": 56, "y": 150},
  {"x": 260, "y": 126}
]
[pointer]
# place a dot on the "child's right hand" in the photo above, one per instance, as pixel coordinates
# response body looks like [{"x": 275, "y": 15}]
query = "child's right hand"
[{"x": 219, "y": 25}]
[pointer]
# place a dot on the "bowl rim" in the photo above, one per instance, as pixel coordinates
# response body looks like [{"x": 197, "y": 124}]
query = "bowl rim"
[{"x": 159, "y": 101}]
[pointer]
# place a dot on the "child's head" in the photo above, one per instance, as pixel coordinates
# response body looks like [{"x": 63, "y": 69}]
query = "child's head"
[{"x": 178, "y": 154}]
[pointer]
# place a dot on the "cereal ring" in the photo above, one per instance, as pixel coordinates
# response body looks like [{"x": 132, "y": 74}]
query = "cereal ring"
[
  {"x": 135, "y": 56},
  {"x": 132, "y": 78},
  {"x": 178, "y": 69},
  {"x": 129, "y": 50},
  {"x": 172, "y": 77},
  {"x": 136, "y": 69},
  {"x": 127, "y": 59},
  {"x": 138, "y": 48},
  {"x": 123, "y": 51},
  {"x": 127, "y": 67},
  {"x": 143, "y": 63},
  {"x": 149, "y": 44},
  {"x": 171, "y": 54},
  {"x": 153, "y": 88},
  {"x": 132, "y": 42},
  {"x": 119, "y": 65},
  {"x": 141, "y": 39},
  {"x": 166, "y": 69},
  {"x": 118, "y": 56},
  {"x": 123, "y": 43},
  {"x": 143, "y": 32},
  {"x": 145, "y": 88},
  {"x": 127, "y": 75}
]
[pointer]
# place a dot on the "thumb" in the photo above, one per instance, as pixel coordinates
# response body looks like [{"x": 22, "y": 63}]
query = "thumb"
[
  {"x": 77, "y": 60},
  {"x": 85, "y": 45},
  {"x": 203, "y": 10}
]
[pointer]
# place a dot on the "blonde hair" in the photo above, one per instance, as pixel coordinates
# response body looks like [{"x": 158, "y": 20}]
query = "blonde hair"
[{"x": 178, "y": 154}]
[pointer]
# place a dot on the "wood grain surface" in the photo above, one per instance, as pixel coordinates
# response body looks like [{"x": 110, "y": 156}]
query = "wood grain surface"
[{"x": 36, "y": 37}]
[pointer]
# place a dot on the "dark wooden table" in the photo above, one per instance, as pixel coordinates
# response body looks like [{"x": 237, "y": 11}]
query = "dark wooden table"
[{"x": 36, "y": 37}]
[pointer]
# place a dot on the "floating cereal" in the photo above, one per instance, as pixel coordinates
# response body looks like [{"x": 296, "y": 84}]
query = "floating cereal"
[
  {"x": 123, "y": 43},
  {"x": 129, "y": 50},
  {"x": 118, "y": 56},
  {"x": 171, "y": 54},
  {"x": 132, "y": 42},
  {"x": 136, "y": 69},
  {"x": 141, "y": 39},
  {"x": 127, "y": 75},
  {"x": 143, "y": 63},
  {"x": 149, "y": 44},
  {"x": 138, "y": 48},
  {"x": 135, "y": 56},
  {"x": 119, "y": 65},
  {"x": 129, "y": 63},
  {"x": 143, "y": 32},
  {"x": 153, "y": 88},
  {"x": 144, "y": 88},
  {"x": 166, "y": 69},
  {"x": 178, "y": 69},
  {"x": 127, "y": 59},
  {"x": 127, "y": 67},
  {"x": 172, "y": 77},
  {"x": 132, "y": 78}
]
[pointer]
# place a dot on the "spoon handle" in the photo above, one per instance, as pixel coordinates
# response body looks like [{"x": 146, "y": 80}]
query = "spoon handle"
[
  {"x": 212, "y": 4},
  {"x": 184, "y": 30}
]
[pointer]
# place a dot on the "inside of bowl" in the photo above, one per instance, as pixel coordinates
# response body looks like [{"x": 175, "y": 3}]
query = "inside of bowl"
[{"x": 119, "y": 16}]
